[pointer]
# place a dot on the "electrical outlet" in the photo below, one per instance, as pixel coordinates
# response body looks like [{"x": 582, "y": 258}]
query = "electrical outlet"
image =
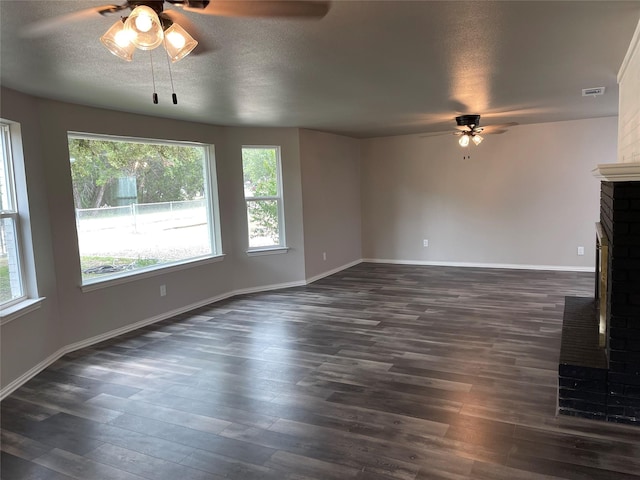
[
  {"x": 425, "y": 243},
  {"x": 163, "y": 290},
  {"x": 580, "y": 250},
  {"x": 324, "y": 256}
]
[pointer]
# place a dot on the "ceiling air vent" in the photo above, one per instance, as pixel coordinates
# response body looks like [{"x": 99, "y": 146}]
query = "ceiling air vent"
[{"x": 592, "y": 92}]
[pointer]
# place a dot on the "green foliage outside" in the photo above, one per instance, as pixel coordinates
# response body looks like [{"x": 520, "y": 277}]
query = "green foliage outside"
[
  {"x": 152, "y": 174},
  {"x": 260, "y": 169},
  {"x": 5, "y": 286},
  {"x": 162, "y": 173}
]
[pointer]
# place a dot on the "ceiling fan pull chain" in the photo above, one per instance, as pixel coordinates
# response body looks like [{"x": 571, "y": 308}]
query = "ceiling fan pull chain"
[
  {"x": 173, "y": 90},
  {"x": 153, "y": 79}
]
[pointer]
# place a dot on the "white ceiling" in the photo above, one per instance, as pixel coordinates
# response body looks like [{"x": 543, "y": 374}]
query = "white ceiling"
[{"x": 368, "y": 68}]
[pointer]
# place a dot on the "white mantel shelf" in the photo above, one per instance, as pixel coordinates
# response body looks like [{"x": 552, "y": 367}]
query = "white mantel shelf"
[{"x": 618, "y": 172}]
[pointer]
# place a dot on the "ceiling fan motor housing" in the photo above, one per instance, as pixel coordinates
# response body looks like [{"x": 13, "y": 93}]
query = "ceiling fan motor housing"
[
  {"x": 468, "y": 120},
  {"x": 158, "y": 5},
  {"x": 190, "y": 3},
  {"x": 155, "y": 5}
]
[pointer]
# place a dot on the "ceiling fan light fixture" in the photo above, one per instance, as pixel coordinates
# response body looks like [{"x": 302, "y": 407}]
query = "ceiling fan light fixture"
[
  {"x": 144, "y": 27},
  {"x": 477, "y": 139},
  {"x": 464, "y": 140},
  {"x": 118, "y": 41},
  {"x": 178, "y": 43}
]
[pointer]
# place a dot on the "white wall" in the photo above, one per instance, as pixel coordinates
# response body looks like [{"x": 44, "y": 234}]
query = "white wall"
[
  {"x": 93, "y": 313},
  {"x": 250, "y": 272},
  {"x": 28, "y": 340},
  {"x": 331, "y": 199},
  {"x": 629, "y": 111},
  {"x": 526, "y": 197}
]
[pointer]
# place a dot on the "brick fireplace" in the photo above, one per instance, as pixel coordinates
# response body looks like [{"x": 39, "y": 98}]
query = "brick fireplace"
[{"x": 599, "y": 370}]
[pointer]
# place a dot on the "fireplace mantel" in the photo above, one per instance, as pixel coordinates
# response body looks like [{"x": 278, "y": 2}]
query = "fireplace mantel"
[{"x": 618, "y": 172}]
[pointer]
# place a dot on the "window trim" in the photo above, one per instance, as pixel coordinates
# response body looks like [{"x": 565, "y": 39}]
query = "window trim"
[
  {"x": 281, "y": 247},
  {"x": 28, "y": 305},
  {"x": 15, "y": 216},
  {"x": 97, "y": 284},
  {"x": 10, "y": 133},
  {"x": 212, "y": 211}
]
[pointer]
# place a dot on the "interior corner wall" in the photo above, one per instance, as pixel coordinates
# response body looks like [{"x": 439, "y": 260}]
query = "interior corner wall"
[
  {"x": 331, "y": 201},
  {"x": 253, "y": 272},
  {"x": 525, "y": 198},
  {"x": 629, "y": 109}
]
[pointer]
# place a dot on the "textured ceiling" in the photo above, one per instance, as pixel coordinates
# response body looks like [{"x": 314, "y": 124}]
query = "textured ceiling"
[{"x": 368, "y": 68}]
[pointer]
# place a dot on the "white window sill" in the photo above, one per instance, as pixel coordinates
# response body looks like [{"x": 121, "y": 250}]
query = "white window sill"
[
  {"x": 19, "y": 309},
  {"x": 147, "y": 273},
  {"x": 267, "y": 251}
]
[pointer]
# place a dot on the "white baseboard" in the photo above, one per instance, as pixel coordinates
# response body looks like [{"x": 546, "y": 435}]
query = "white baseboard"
[
  {"x": 9, "y": 388},
  {"x": 266, "y": 288},
  {"x": 315, "y": 278},
  {"x": 22, "y": 379},
  {"x": 511, "y": 266},
  {"x": 29, "y": 374}
]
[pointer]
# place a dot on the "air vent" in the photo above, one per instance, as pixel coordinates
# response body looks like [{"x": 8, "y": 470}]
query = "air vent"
[{"x": 592, "y": 92}]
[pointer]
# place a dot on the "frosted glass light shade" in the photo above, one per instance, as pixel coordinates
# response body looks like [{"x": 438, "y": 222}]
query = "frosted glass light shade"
[
  {"x": 178, "y": 43},
  {"x": 144, "y": 28},
  {"x": 477, "y": 139},
  {"x": 118, "y": 42},
  {"x": 464, "y": 140}
]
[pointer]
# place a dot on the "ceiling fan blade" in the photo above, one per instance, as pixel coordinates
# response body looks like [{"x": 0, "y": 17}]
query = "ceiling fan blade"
[
  {"x": 50, "y": 25},
  {"x": 497, "y": 132},
  {"x": 438, "y": 134},
  {"x": 265, "y": 8},
  {"x": 498, "y": 128}
]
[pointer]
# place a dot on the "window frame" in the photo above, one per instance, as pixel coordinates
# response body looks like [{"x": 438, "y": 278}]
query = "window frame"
[
  {"x": 282, "y": 244},
  {"x": 13, "y": 213},
  {"x": 29, "y": 301},
  {"x": 211, "y": 205}
]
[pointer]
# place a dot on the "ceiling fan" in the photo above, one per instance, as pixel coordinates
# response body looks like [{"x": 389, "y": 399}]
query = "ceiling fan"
[
  {"x": 148, "y": 25},
  {"x": 469, "y": 129},
  {"x": 472, "y": 130},
  {"x": 224, "y": 8}
]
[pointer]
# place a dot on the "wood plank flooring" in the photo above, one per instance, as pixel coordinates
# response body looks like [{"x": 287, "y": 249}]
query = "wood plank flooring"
[{"x": 379, "y": 372}]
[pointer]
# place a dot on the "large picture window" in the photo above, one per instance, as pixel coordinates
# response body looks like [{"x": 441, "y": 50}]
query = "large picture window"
[
  {"x": 12, "y": 285},
  {"x": 263, "y": 196},
  {"x": 141, "y": 204}
]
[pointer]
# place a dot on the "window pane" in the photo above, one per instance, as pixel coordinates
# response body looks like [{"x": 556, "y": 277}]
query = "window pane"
[
  {"x": 260, "y": 168},
  {"x": 10, "y": 275},
  {"x": 138, "y": 204},
  {"x": 264, "y": 230},
  {"x": 11, "y": 281},
  {"x": 6, "y": 176}
]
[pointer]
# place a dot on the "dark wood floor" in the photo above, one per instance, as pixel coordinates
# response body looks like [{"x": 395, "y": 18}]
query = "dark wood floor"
[{"x": 377, "y": 372}]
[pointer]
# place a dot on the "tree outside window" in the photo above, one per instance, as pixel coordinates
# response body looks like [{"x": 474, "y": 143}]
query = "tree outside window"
[
  {"x": 263, "y": 196},
  {"x": 140, "y": 204}
]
